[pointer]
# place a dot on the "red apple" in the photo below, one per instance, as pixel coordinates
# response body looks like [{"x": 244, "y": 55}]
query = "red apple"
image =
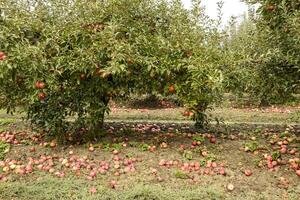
[
  {"x": 52, "y": 144},
  {"x": 172, "y": 89},
  {"x": 39, "y": 85},
  {"x": 91, "y": 149},
  {"x": 2, "y": 56},
  {"x": 32, "y": 149},
  {"x": 113, "y": 184},
  {"x": 248, "y": 172},
  {"x": 42, "y": 96},
  {"x": 213, "y": 140}
]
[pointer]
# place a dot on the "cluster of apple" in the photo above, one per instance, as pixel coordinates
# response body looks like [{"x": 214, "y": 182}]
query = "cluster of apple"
[
  {"x": 79, "y": 165},
  {"x": 39, "y": 85},
  {"x": 9, "y": 137},
  {"x": 211, "y": 168}
]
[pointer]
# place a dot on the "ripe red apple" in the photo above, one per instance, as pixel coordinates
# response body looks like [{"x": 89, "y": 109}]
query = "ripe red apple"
[
  {"x": 93, "y": 190},
  {"x": 52, "y": 144},
  {"x": 42, "y": 96},
  {"x": 113, "y": 184},
  {"x": 32, "y": 149},
  {"x": 213, "y": 164},
  {"x": 222, "y": 171},
  {"x": 93, "y": 174},
  {"x": 39, "y": 85},
  {"x": 82, "y": 76},
  {"x": 283, "y": 150},
  {"x": 293, "y": 152},
  {"x": 248, "y": 172},
  {"x": 2, "y": 56},
  {"x": 162, "y": 162},
  {"x": 172, "y": 89},
  {"x": 91, "y": 149},
  {"x": 186, "y": 113},
  {"x": 213, "y": 140},
  {"x": 115, "y": 152},
  {"x": 204, "y": 153},
  {"x": 154, "y": 171}
]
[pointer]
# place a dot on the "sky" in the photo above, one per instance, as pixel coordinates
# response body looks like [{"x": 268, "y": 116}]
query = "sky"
[{"x": 230, "y": 8}]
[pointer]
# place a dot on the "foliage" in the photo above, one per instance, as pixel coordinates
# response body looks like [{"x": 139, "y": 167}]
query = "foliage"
[
  {"x": 65, "y": 59},
  {"x": 263, "y": 53},
  {"x": 251, "y": 146}
]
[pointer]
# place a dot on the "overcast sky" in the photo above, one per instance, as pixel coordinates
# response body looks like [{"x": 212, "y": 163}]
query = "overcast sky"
[{"x": 230, "y": 8}]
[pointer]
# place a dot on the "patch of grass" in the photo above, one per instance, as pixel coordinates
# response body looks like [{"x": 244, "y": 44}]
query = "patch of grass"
[
  {"x": 198, "y": 138},
  {"x": 275, "y": 155},
  {"x": 50, "y": 188},
  {"x": 180, "y": 174},
  {"x": 228, "y": 115},
  {"x": 4, "y": 149},
  {"x": 144, "y": 147},
  {"x": 251, "y": 146},
  {"x": 188, "y": 155}
]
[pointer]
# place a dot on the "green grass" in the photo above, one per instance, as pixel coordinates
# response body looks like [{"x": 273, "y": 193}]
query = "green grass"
[
  {"x": 142, "y": 185},
  {"x": 227, "y": 115},
  {"x": 49, "y": 188}
]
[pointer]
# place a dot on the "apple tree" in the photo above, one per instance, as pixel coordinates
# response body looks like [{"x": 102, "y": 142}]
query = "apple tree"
[
  {"x": 264, "y": 53},
  {"x": 63, "y": 60}
]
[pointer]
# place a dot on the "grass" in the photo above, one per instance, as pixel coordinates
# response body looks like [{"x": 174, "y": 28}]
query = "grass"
[
  {"x": 170, "y": 182},
  {"x": 227, "y": 115},
  {"x": 142, "y": 185},
  {"x": 50, "y": 188}
]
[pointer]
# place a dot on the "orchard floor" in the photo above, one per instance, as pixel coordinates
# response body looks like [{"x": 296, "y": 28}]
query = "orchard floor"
[{"x": 126, "y": 165}]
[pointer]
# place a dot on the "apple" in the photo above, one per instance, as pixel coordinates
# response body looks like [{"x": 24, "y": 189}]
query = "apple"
[
  {"x": 271, "y": 8},
  {"x": 82, "y": 76},
  {"x": 93, "y": 190},
  {"x": 213, "y": 140},
  {"x": 2, "y": 56},
  {"x": 172, "y": 89},
  {"x": 32, "y": 149},
  {"x": 91, "y": 149},
  {"x": 42, "y": 96},
  {"x": 164, "y": 145},
  {"x": 186, "y": 113},
  {"x": 113, "y": 184},
  {"x": 115, "y": 152},
  {"x": 222, "y": 171},
  {"x": 52, "y": 144},
  {"x": 204, "y": 153},
  {"x": 293, "y": 151},
  {"x": 213, "y": 164},
  {"x": 298, "y": 173},
  {"x": 39, "y": 85},
  {"x": 248, "y": 172},
  {"x": 93, "y": 174},
  {"x": 283, "y": 150},
  {"x": 230, "y": 187}
]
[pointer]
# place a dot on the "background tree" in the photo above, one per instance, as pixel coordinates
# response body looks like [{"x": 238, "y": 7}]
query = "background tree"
[{"x": 264, "y": 53}]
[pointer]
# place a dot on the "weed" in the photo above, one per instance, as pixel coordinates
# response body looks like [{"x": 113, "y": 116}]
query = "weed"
[
  {"x": 4, "y": 148},
  {"x": 180, "y": 174}
]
